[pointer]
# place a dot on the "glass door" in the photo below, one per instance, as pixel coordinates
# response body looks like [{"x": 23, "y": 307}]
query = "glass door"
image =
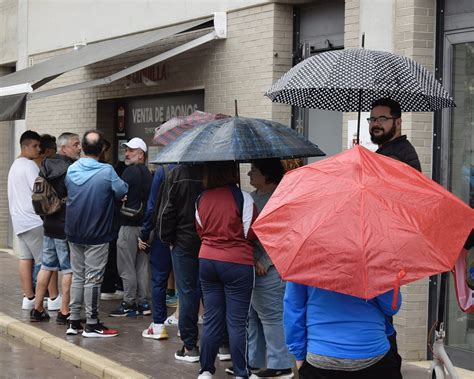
[{"x": 458, "y": 175}]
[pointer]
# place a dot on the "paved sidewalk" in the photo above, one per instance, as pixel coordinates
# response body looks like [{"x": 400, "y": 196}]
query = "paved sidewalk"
[{"x": 130, "y": 349}]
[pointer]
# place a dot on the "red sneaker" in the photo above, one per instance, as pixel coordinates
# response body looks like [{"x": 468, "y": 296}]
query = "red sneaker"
[{"x": 98, "y": 330}]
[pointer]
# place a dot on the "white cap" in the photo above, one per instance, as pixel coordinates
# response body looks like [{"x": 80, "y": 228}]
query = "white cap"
[{"x": 136, "y": 143}]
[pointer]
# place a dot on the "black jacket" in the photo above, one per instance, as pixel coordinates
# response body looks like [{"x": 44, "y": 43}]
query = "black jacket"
[
  {"x": 54, "y": 170},
  {"x": 138, "y": 178},
  {"x": 402, "y": 150},
  {"x": 176, "y": 215}
]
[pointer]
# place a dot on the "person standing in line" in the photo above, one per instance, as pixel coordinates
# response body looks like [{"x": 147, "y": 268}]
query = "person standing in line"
[
  {"x": 160, "y": 258},
  {"x": 112, "y": 287},
  {"x": 267, "y": 348},
  {"x": 224, "y": 215},
  {"x": 55, "y": 254},
  {"x": 176, "y": 227},
  {"x": 333, "y": 335},
  {"x": 385, "y": 128},
  {"x": 132, "y": 263},
  {"x": 27, "y": 225},
  {"x": 93, "y": 188}
]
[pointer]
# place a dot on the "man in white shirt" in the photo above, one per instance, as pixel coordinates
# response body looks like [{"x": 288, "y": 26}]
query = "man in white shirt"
[{"x": 27, "y": 225}]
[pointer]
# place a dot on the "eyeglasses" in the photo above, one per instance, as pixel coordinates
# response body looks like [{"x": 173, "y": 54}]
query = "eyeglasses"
[{"x": 381, "y": 119}]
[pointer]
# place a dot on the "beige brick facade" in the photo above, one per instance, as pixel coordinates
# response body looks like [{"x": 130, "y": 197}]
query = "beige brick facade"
[
  {"x": 414, "y": 38},
  {"x": 257, "y": 52},
  {"x": 243, "y": 66}
]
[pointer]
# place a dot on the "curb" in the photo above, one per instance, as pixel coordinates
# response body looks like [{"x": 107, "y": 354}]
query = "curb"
[{"x": 88, "y": 361}]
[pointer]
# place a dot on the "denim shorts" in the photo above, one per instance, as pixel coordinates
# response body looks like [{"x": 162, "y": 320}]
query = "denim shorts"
[{"x": 56, "y": 255}]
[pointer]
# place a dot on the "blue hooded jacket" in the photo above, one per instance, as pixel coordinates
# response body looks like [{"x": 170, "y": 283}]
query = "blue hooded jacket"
[
  {"x": 336, "y": 325},
  {"x": 93, "y": 188}
]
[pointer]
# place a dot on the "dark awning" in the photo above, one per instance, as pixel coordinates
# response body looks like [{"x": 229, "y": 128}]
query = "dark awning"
[{"x": 13, "y": 102}]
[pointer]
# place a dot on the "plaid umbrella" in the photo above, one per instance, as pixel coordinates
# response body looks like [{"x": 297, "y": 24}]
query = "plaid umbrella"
[
  {"x": 237, "y": 139},
  {"x": 174, "y": 127},
  {"x": 350, "y": 80}
]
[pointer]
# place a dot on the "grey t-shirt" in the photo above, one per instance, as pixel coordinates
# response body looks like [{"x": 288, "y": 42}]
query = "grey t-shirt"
[{"x": 260, "y": 255}]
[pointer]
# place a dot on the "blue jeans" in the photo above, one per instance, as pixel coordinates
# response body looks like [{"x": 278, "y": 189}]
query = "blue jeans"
[
  {"x": 266, "y": 334},
  {"x": 160, "y": 266},
  {"x": 227, "y": 290},
  {"x": 186, "y": 267}
]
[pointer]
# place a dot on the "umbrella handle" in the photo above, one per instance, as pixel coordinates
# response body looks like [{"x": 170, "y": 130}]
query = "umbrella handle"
[{"x": 396, "y": 291}]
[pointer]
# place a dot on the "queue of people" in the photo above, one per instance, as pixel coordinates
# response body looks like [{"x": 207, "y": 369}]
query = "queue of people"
[{"x": 194, "y": 221}]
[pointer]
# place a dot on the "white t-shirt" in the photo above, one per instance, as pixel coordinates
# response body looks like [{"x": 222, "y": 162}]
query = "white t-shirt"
[{"x": 21, "y": 178}]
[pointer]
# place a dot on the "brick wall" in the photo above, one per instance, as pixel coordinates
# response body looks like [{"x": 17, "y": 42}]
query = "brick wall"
[
  {"x": 245, "y": 65},
  {"x": 352, "y": 39},
  {"x": 414, "y": 38},
  {"x": 6, "y": 153}
]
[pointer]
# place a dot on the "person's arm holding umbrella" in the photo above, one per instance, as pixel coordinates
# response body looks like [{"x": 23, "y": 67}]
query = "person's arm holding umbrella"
[{"x": 294, "y": 320}]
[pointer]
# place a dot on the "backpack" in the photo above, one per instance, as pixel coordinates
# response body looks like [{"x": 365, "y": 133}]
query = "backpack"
[{"x": 44, "y": 198}]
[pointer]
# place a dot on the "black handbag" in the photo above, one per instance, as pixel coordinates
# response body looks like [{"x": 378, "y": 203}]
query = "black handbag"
[{"x": 131, "y": 213}]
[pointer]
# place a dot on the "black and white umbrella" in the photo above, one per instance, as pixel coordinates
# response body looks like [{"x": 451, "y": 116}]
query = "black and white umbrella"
[{"x": 350, "y": 80}]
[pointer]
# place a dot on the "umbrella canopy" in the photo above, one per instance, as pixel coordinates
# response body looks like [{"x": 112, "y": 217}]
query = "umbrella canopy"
[
  {"x": 238, "y": 139},
  {"x": 174, "y": 127},
  {"x": 350, "y": 80},
  {"x": 360, "y": 223}
]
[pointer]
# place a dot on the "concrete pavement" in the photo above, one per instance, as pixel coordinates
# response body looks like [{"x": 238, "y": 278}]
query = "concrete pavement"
[{"x": 127, "y": 356}]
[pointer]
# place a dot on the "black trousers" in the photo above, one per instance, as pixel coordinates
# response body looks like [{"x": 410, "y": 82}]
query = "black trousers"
[
  {"x": 386, "y": 368},
  {"x": 112, "y": 280}
]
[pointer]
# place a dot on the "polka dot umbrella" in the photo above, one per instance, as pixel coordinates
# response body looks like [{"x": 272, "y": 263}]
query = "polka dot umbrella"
[{"x": 350, "y": 80}]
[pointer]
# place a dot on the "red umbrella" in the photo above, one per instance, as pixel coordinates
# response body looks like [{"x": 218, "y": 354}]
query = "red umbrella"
[
  {"x": 360, "y": 223},
  {"x": 174, "y": 127}
]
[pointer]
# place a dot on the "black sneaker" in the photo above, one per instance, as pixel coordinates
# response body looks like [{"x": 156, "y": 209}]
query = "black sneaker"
[
  {"x": 275, "y": 373},
  {"x": 75, "y": 327},
  {"x": 37, "y": 316},
  {"x": 191, "y": 355},
  {"x": 98, "y": 330},
  {"x": 62, "y": 319},
  {"x": 124, "y": 310}
]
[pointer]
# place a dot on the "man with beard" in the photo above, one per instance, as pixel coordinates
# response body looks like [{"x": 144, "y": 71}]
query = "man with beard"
[
  {"x": 385, "y": 124},
  {"x": 132, "y": 263},
  {"x": 385, "y": 128}
]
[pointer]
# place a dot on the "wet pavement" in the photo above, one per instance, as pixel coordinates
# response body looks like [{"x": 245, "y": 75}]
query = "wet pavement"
[
  {"x": 153, "y": 358},
  {"x": 20, "y": 360}
]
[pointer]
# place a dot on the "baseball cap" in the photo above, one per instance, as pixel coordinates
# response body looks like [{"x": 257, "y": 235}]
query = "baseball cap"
[{"x": 136, "y": 143}]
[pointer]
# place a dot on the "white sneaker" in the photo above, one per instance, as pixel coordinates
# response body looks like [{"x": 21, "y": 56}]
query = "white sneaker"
[
  {"x": 224, "y": 354},
  {"x": 205, "y": 374},
  {"x": 28, "y": 304},
  {"x": 55, "y": 305},
  {"x": 156, "y": 332},
  {"x": 171, "y": 320},
  {"x": 117, "y": 295}
]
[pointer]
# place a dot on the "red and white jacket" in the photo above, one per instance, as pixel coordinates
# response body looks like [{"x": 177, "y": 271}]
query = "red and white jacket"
[{"x": 226, "y": 236}]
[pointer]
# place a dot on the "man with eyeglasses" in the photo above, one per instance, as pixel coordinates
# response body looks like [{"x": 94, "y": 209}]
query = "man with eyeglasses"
[{"x": 385, "y": 128}]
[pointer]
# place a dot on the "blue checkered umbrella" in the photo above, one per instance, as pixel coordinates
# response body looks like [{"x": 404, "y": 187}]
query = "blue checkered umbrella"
[{"x": 237, "y": 139}]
